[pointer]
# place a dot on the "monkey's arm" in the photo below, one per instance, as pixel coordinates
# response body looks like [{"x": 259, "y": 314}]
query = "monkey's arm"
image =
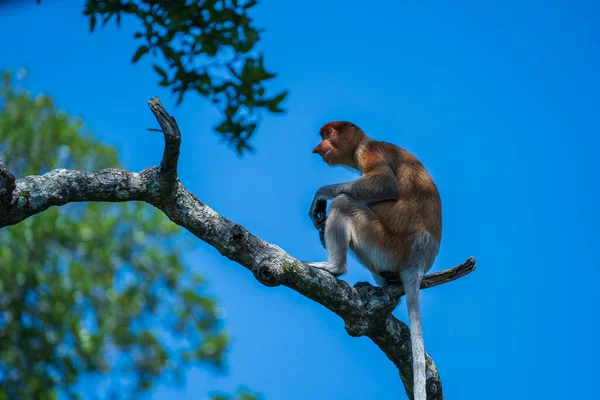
[{"x": 376, "y": 185}]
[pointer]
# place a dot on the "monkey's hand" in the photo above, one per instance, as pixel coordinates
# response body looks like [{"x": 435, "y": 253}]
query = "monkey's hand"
[{"x": 317, "y": 212}]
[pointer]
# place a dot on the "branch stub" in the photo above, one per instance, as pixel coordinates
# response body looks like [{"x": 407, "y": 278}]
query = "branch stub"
[{"x": 269, "y": 272}]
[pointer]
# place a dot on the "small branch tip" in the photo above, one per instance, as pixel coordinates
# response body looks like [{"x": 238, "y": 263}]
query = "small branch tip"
[{"x": 172, "y": 136}]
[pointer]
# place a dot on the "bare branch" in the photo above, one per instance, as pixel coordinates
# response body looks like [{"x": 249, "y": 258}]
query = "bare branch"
[
  {"x": 172, "y": 138},
  {"x": 365, "y": 309},
  {"x": 34, "y": 194}
]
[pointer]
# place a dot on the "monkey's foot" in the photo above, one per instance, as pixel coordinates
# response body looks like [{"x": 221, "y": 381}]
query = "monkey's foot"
[{"x": 324, "y": 265}]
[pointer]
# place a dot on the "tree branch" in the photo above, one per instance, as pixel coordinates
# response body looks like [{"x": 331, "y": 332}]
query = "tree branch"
[
  {"x": 172, "y": 138},
  {"x": 7, "y": 186},
  {"x": 365, "y": 309},
  {"x": 438, "y": 278}
]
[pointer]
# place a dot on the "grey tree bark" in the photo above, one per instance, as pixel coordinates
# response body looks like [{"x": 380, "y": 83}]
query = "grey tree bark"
[{"x": 365, "y": 309}]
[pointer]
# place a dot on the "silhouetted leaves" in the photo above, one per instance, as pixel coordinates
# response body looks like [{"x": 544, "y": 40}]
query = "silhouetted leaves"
[
  {"x": 92, "y": 23},
  {"x": 139, "y": 53},
  {"x": 206, "y": 47}
]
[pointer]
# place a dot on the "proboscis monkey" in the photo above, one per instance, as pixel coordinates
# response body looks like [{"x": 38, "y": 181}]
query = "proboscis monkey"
[{"x": 390, "y": 217}]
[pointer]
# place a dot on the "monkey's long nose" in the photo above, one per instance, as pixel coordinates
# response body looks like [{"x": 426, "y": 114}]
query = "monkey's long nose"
[{"x": 317, "y": 150}]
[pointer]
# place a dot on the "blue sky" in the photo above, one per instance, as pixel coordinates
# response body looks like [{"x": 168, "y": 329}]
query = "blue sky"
[{"x": 500, "y": 102}]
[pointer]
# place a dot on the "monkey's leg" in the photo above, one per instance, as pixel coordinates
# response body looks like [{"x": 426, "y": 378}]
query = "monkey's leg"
[
  {"x": 337, "y": 238},
  {"x": 322, "y": 238},
  {"x": 348, "y": 222}
]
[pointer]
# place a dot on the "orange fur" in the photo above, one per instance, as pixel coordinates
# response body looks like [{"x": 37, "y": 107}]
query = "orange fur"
[{"x": 392, "y": 222}]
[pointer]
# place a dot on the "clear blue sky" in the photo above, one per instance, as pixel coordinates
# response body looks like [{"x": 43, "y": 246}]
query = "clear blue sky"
[{"x": 499, "y": 99}]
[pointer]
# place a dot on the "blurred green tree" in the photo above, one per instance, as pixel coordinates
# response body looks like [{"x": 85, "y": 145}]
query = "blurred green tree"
[{"x": 91, "y": 288}]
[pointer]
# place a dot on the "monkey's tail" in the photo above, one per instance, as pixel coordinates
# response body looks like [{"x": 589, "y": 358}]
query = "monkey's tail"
[{"x": 411, "y": 279}]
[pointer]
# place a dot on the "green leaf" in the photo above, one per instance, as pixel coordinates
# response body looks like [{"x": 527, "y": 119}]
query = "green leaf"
[
  {"x": 160, "y": 71},
  {"x": 224, "y": 127},
  {"x": 169, "y": 52},
  {"x": 274, "y": 104},
  {"x": 139, "y": 53},
  {"x": 250, "y": 4},
  {"x": 92, "y": 22}
]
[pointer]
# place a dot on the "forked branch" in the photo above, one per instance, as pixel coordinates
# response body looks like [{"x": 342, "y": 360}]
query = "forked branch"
[{"x": 365, "y": 309}]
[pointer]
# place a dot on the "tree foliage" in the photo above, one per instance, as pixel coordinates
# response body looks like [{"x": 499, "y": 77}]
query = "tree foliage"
[
  {"x": 207, "y": 47},
  {"x": 91, "y": 288}
]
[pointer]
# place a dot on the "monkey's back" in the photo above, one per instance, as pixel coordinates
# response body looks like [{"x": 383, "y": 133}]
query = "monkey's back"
[{"x": 419, "y": 207}]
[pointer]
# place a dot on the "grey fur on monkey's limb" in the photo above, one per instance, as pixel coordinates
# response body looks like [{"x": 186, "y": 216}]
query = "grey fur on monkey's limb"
[{"x": 365, "y": 309}]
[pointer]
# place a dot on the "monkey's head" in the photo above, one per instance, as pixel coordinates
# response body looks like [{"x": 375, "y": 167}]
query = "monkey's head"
[{"x": 339, "y": 140}]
